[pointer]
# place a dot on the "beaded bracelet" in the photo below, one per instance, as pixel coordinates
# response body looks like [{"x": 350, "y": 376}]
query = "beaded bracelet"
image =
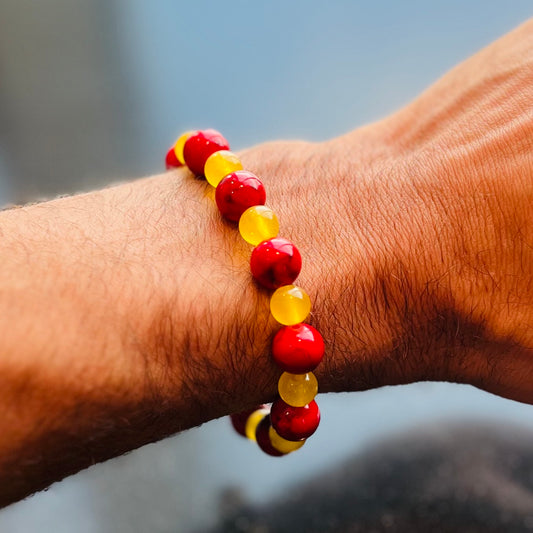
[{"x": 297, "y": 348}]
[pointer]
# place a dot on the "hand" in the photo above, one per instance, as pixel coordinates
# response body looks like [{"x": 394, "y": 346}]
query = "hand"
[{"x": 416, "y": 233}]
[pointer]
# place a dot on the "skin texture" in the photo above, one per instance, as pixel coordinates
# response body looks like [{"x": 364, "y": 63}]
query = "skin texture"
[{"x": 129, "y": 313}]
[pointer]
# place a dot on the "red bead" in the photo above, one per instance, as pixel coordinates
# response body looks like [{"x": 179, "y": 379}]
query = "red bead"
[
  {"x": 294, "y": 423},
  {"x": 275, "y": 263},
  {"x": 263, "y": 438},
  {"x": 200, "y": 146},
  {"x": 239, "y": 420},
  {"x": 171, "y": 161},
  {"x": 298, "y": 349},
  {"x": 237, "y": 192}
]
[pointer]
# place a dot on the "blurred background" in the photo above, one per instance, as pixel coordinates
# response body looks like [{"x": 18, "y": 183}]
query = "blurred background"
[{"x": 93, "y": 92}]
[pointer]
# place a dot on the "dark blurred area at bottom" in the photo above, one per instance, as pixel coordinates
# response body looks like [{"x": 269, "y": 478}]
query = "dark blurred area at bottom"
[{"x": 445, "y": 478}]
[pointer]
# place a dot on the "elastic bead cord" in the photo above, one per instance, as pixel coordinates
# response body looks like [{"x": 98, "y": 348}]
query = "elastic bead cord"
[{"x": 275, "y": 263}]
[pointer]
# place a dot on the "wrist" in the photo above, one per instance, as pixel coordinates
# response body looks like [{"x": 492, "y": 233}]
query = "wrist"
[{"x": 359, "y": 273}]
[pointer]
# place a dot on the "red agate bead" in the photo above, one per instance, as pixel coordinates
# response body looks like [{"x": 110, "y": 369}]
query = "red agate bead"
[
  {"x": 238, "y": 420},
  {"x": 294, "y": 423},
  {"x": 275, "y": 263},
  {"x": 237, "y": 192},
  {"x": 199, "y": 146},
  {"x": 262, "y": 436},
  {"x": 298, "y": 349},
  {"x": 171, "y": 161}
]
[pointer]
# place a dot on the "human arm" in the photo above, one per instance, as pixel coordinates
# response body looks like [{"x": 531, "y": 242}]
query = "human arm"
[{"x": 129, "y": 314}]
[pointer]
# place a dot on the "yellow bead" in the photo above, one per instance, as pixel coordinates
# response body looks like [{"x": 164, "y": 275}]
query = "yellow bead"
[
  {"x": 220, "y": 164},
  {"x": 290, "y": 305},
  {"x": 283, "y": 445},
  {"x": 180, "y": 143},
  {"x": 258, "y": 223},
  {"x": 297, "y": 389},
  {"x": 253, "y": 422}
]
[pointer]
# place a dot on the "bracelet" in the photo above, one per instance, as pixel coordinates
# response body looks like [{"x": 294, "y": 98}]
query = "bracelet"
[{"x": 297, "y": 348}]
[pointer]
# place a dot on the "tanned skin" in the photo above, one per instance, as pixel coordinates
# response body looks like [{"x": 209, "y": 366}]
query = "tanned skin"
[{"x": 129, "y": 314}]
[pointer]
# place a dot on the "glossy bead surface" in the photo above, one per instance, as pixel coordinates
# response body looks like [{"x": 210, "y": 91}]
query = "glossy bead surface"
[
  {"x": 237, "y": 192},
  {"x": 171, "y": 161},
  {"x": 257, "y": 224},
  {"x": 263, "y": 438},
  {"x": 199, "y": 146},
  {"x": 297, "y": 389},
  {"x": 298, "y": 349},
  {"x": 238, "y": 420},
  {"x": 290, "y": 305},
  {"x": 180, "y": 143},
  {"x": 275, "y": 263},
  {"x": 220, "y": 164},
  {"x": 253, "y": 421},
  {"x": 294, "y": 423},
  {"x": 283, "y": 445}
]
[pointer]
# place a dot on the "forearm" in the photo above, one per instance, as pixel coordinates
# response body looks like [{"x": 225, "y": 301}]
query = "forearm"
[
  {"x": 101, "y": 323},
  {"x": 69, "y": 368},
  {"x": 129, "y": 314}
]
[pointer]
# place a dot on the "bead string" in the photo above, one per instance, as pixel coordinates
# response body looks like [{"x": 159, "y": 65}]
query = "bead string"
[{"x": 297, "y": 348}]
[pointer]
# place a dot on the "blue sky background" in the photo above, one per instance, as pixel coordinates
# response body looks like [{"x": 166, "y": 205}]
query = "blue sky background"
[{"x": 259, "y": 71}]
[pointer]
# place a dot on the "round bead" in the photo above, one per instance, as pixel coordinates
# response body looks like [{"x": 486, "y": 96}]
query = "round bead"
[
  {"x": 238, "y": 420},
  {"x": 257, "y": 224},
  {"x": 237, "y": 192},
  {"x": 298, "y": 349},
  {"x": 290, "y": 305},
  {"x": 284, "y": 445},
  {"x": 297, "y": 389},
  {"x": 294, "y": 423},
  {"x": 275, "y": 263},
  {"x": 180, "y": 143},
  {"x": 220, "y": 164},
  {"x": 199, "y": 146},
  {"x": 171, "y": 161},
  {"x": 263, "y": 438},
  {"x": 253, "y": 422}
]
